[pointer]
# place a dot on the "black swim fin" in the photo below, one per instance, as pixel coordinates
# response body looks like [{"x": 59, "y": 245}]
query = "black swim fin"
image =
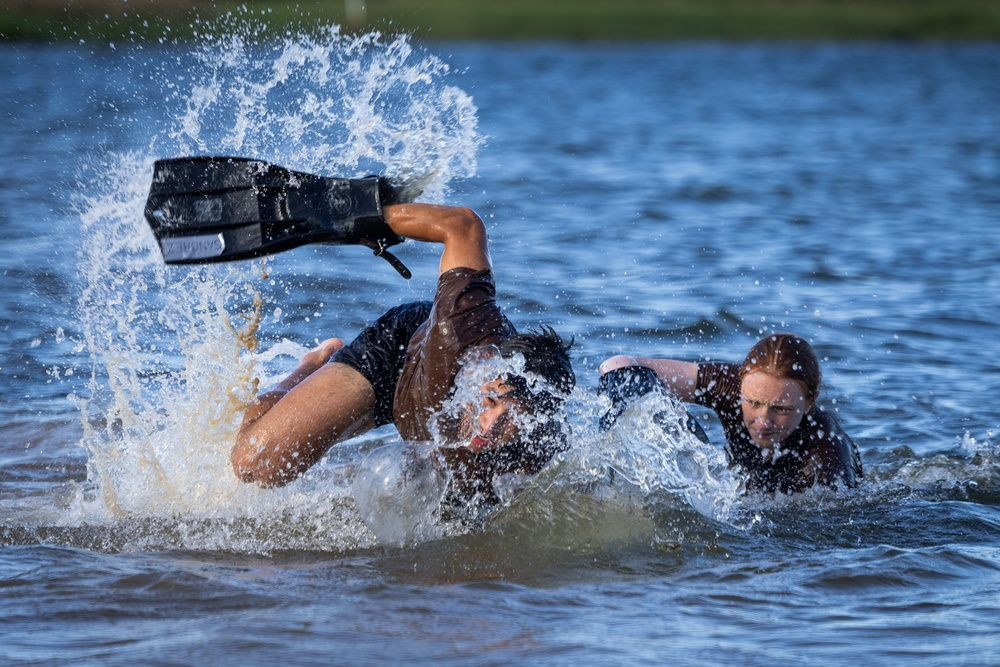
[
  {"x": 627, "y": 384},
  {"x": 220, "y": 209}
]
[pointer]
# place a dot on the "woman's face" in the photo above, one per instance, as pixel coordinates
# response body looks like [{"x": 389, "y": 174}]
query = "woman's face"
[{"x": 772, "y": 407}]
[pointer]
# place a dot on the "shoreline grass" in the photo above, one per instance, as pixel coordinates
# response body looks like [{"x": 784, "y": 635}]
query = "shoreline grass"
[{"x": 577, "y": 20}]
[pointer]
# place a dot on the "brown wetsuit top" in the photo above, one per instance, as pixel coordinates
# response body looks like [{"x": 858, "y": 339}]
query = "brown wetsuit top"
[{"x": 817, "y": 452}]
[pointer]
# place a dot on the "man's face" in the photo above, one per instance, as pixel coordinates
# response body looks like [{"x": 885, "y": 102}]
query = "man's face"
[
  {"x": 772, "y": 408},
  {"x": 496, "y": 421}
]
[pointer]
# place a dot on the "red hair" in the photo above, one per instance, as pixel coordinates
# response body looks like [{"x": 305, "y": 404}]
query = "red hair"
[{"x": 785, "y": 356}]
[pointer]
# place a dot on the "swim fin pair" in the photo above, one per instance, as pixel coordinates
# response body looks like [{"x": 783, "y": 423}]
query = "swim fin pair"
[{"x": 219, "y": 209}]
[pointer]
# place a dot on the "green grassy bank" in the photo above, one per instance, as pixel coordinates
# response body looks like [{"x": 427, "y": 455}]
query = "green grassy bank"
[{"x": 621, "y": 20}]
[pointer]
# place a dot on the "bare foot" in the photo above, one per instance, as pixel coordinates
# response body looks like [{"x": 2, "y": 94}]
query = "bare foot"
[{"x": 321, "y": 354}]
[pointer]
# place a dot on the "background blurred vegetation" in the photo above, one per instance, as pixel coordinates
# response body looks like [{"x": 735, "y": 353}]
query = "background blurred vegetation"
[{"x": 623, "y": 20}]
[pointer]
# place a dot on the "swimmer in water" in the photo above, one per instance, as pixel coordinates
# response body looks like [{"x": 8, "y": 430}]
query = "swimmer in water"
[
  {"x": 402, "y": 370},
  {"x": 775, "y": 434}
]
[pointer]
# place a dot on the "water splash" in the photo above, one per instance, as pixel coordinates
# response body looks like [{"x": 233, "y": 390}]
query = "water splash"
[
  {"x": 399, "y": 490},
  {"x": 168, "y": 380},
  {"x": 971, "y": 470},
  {"x": 650, "y": 448},
  {"x": 331, "y": 104},
  {"x": 174, "y": 350}
]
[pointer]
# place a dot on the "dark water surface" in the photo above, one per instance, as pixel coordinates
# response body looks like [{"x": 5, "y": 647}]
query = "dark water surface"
[{"x": 663, "y": 200}]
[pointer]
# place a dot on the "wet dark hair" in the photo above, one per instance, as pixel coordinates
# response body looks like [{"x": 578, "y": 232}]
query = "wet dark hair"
[
  {"x": 548, "y": 378},
  {"x": 546, "y": 355},
  {"x": 788, "y": 356}
]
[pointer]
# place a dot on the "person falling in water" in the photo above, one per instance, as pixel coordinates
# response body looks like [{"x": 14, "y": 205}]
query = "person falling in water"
[
  {"x": 402, "y": 370},
  {"x": 775, "y": 434}
]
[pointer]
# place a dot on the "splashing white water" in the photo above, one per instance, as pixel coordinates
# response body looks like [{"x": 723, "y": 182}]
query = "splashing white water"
[
  {"x": 333, "y": 105},
  {"x": 173, "y": 350},
  {"x": 650, "y": 448},
  {"x": 168, "y": 380}
]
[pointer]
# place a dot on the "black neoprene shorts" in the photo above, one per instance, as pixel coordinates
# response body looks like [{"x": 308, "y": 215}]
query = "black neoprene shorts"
[{"x": 379, "y": 351}]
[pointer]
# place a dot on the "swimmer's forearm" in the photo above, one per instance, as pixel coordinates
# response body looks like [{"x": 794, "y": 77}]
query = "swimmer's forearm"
[{"x": 466, "y": 243}]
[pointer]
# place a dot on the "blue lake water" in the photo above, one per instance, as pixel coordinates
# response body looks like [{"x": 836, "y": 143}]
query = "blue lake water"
[{"x": 666, "y": 200}]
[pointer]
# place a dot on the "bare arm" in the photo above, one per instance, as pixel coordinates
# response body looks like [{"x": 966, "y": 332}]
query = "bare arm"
[
  {"x": 680, "y": 378},
  {"x": 460, "y": 230}
]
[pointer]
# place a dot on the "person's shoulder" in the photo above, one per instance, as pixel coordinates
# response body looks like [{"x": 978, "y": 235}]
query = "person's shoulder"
[
  {"x": 717, "y": 378},
  {"x": 459, "y": 283},
  {"x": 826, "y": 430},
  {"x": 463, "y": 274},
  {"x": 718, "y": 368},
  {"x": 826, "y": 422}
]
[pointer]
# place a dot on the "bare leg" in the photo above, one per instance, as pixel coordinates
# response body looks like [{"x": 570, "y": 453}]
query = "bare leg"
[
  {"x": 311, "y": 362},
  {"x": 290, "y": 428},
  {"x": 320, "y": 404}
]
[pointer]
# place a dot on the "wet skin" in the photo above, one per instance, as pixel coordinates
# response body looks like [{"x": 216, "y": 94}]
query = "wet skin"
[
  {"x": 772, "y": 408},
  {"x": 495, "y": 423}
]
